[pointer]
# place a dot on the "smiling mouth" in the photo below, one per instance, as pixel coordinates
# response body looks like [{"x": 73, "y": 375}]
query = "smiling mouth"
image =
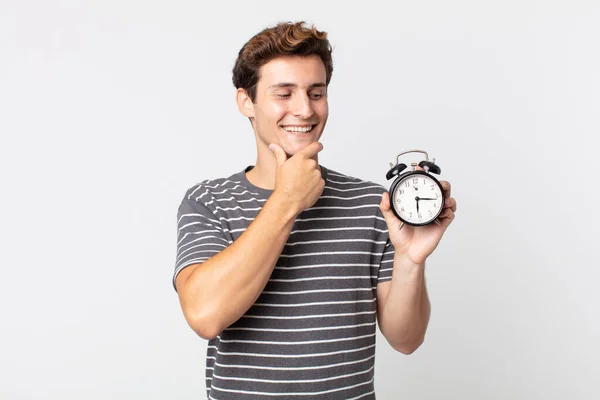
[{"x": 298, "y": 129}]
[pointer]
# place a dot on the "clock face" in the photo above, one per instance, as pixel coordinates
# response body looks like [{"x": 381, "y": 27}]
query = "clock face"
[{"x": 417, "y": 198}]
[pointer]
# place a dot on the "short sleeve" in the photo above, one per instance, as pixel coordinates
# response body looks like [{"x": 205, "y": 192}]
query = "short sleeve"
[
  {"x": 387, "y": 263},
  {"x": 199, "y": 235},
  {"x": 387, "y": 253}
]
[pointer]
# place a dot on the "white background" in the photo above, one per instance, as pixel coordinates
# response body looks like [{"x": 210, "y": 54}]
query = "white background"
[{"x": 110, "y": 110}]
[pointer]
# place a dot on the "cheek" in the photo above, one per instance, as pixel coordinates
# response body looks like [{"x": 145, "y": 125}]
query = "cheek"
[
  {"x": 277, "y": 110},
  {"x": 323, "y": 110}
]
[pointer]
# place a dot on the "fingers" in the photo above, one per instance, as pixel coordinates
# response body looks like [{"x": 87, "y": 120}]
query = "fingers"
[
  {"x": 447, "y": 188},
  {"x": 450, "y": 203},
  {"x": 279, "y": 153},
  {"x": 446, "y": 216},
  {"x": 311, "y": 150}
]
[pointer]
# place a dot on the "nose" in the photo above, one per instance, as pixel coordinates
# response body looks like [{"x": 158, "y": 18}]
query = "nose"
[{"x": 301, "y": 107}]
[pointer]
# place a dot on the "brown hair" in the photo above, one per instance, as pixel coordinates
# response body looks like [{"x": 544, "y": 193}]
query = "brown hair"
[{"x": 285, "y": 38}]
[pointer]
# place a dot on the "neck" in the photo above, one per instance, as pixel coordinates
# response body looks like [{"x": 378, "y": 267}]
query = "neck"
[{"x": 264, "y": 172}]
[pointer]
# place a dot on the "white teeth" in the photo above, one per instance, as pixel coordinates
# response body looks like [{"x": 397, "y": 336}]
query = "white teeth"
[{"x": 302, "y": 129}]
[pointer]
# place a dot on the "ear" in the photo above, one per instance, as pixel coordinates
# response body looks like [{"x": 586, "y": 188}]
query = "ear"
[{"x": 244, "y": 103}]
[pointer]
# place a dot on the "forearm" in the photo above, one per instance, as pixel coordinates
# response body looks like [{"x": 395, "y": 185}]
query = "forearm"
[
  {"x": 219, "y": 291},
  {"x": 405, "y": 313}
]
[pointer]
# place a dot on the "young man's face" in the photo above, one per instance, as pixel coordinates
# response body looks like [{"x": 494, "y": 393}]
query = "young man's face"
[{"x": 291, "y": 107}]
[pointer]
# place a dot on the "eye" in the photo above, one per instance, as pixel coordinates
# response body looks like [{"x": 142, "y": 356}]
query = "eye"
[
  {"x": 316, "y": 96},
  {"x": 282, "y": 95}
]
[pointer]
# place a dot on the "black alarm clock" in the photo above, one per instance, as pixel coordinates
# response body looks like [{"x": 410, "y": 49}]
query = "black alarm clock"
[{"x": 416, "y": 196}]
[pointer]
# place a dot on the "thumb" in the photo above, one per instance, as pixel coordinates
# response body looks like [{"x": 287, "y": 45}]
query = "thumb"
[
  {"x": 385, "y": 208},
  {"x": 279, "y": 154},
  {"x": 384, "y": 205}
]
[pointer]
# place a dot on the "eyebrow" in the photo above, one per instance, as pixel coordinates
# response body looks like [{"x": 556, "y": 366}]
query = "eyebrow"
[{"x": 288, "y": 84}]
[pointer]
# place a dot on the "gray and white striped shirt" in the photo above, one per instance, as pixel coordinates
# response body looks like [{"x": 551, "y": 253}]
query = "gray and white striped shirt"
[{"x": 311, "y": 333}]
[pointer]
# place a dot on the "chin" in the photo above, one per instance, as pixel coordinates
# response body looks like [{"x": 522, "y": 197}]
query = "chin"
[{"x": 293, "y": 148}]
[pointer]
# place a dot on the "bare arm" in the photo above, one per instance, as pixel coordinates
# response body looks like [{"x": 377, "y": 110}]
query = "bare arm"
[
  {"x": 403, "y": 306},
  {"x": 216, "y": 293}
]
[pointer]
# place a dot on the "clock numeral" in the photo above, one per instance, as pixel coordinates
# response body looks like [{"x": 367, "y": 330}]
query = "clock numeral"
[
  {"x": 401, "y": 191},
  {"x": 432, "y": 187},
  {"x": 424, "y": 183},
  {"x": 402, "y": 209},
  {"x": 410, "y": 214},
  {"x": 415, "y": 180},
  {"x": 420, "y": 216},
  {"x": 398, "y": 200},
  {"x": 437, "y": 196},
  {"x": 435, "y": 205},
  {"x": 430, "y": 213},
  {"x": 407, "y": 183}
]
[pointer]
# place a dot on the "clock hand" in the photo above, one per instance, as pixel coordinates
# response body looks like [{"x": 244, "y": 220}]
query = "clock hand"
[
  {"x": 426, "y": 198},
  {"x": 417, "y": 199}
]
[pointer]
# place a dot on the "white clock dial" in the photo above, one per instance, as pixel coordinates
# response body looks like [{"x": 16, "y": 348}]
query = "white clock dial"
[{"x": 418, "y": 199}]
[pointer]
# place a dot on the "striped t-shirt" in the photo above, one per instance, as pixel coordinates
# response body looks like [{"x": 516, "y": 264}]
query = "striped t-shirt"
[{"x": 311, "y": 333}]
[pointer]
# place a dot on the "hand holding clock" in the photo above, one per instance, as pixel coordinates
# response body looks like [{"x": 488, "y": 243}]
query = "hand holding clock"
[{"x": 418, "y": 242}]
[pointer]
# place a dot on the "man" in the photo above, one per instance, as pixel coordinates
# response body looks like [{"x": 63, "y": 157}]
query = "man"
[{"x": 286, "y": 266}]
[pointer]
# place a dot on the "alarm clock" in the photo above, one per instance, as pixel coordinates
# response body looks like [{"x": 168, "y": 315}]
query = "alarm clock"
[{"x": 416, "y": 196}]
